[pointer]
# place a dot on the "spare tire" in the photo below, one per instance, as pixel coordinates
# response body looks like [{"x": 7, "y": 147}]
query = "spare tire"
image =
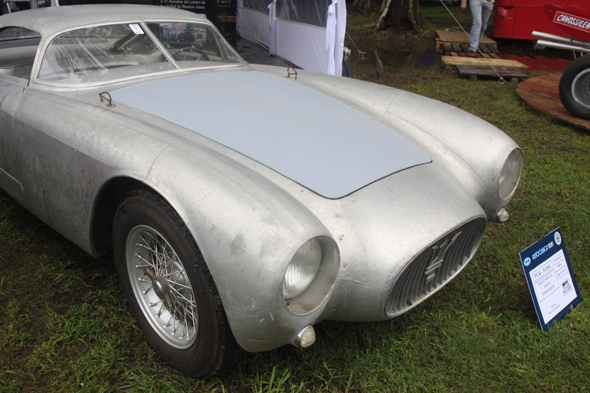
[{"x": 574, "y": 88}]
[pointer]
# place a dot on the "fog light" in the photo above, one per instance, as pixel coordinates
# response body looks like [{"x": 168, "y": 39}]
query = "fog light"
[
  {"x": 503, "y": 215},
  {"x": 306, "y": 337}
]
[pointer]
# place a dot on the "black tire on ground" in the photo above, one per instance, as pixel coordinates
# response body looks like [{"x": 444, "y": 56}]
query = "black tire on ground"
[
  {"x": 574, "y": 88},
  {"x": 159, "y": 264}
]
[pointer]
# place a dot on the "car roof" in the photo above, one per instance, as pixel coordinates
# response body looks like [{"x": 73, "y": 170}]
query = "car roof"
[{"x": 48, "y": 21}]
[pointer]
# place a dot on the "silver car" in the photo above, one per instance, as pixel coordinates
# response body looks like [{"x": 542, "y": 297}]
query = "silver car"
[{"x": 244, "y": 204}]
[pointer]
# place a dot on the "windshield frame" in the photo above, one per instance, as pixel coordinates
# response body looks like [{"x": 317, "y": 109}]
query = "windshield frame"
[{"x": 45, "y": 42}]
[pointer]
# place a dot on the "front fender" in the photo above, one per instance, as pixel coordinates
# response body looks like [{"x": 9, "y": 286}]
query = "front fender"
[{"x": 247, "y": 229}]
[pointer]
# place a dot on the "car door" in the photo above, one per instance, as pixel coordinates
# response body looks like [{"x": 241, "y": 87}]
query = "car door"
[{"x": 18, "y": 47}]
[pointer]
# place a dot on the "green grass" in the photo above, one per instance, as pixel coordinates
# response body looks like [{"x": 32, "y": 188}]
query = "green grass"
[{"x": 64, "y": 324}]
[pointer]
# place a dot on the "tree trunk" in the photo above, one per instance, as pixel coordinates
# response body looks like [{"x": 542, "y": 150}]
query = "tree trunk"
[
  {"x": 401, "y": 15},
  {"x": 362, "y": 6}
]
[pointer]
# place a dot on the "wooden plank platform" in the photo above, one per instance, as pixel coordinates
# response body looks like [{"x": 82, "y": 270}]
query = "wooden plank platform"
[
  {"x": 460, "y": 37},
  {"x": 451, "y": 61},
  {"x": 455, "y": 46},
  {"x": 541, "y": 94},
  {"x": 456, "y": 43},
  {"x": 489, "y": 72},
  {"x": 480, "y": 67}
]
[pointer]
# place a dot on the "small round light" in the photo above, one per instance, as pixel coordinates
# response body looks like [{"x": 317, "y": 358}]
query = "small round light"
[
  {"x": 503, "y": 215},
  {"x": 510, "y": 175},
  {"x": 302, "y": 269},
  {"x": 306, "y": 337}
]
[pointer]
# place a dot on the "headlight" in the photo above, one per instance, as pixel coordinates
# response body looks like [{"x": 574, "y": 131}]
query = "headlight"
[
  {"x": 510, "y": 174},
  {"x": 302, "y": 269},
  {"x": 311, "y": 274}
]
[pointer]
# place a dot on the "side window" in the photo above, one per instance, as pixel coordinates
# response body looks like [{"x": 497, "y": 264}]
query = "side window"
[{"x": 18, "y": 47}]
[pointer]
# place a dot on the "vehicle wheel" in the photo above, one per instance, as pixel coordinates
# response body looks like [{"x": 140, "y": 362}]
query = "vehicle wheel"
[
  {"x": 574, "y": 88},
  {"x": 169, "y": 288}
]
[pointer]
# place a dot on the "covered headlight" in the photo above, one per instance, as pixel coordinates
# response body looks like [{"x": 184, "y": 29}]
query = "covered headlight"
[
  {"x": 510, "y": 174},
  {"x": 311, "y": 274}
]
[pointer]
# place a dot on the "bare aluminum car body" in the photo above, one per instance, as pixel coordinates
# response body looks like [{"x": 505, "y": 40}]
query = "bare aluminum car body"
[{"x": 397, "y": 235}]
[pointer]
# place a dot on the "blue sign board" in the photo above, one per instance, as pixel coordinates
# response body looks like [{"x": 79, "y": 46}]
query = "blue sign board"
[{"x": 550, "y": 278}]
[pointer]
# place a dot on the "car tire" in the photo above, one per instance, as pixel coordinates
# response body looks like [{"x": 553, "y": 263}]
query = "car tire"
[
  {"x": 169, "y": 288},
  {"x": 574, "y": 88}
]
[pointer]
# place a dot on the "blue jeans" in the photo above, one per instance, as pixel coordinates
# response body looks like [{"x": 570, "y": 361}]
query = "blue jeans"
[{"x": 481, "y": 13}]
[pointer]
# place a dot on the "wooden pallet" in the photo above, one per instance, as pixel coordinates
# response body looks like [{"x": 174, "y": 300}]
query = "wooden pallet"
[
  {"x": 453, "y": 61},
  {"x": 456, "y": 43},
  {"x": 458, "y": 37},
  {"x": 542, "y": 94},
  {"x": 481, "y": 64},
  {"x": 488, "y": 51},
  {"x": 480, "y": 67},
  {"x": 509, "y": 73}
]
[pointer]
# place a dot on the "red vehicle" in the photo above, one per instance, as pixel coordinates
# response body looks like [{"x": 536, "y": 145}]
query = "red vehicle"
[
  {"x": 573, "y": 20},
  {"x": 517, "y": 19}
]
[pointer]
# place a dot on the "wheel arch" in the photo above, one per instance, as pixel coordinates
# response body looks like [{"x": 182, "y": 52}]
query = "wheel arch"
[
  {"x": 107, "y": 201},
  {"x": 245, "y": 227}
]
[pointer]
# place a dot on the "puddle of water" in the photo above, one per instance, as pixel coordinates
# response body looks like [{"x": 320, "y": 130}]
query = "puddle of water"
[
  {"x": 428, "y": 58},
  {"x": 417, "y": 57},
  {"x": 424, "y": 57}
]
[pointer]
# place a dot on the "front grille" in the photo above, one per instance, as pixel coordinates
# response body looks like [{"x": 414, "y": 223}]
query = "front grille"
[{"x": 434, "y": 266}]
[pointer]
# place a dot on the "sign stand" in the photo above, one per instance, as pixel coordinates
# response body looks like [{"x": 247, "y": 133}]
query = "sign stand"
[{"x": 550, "y": 278}]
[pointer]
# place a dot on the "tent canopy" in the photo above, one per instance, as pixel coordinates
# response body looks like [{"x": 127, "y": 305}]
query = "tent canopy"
[{"x": 308, "y": 33}]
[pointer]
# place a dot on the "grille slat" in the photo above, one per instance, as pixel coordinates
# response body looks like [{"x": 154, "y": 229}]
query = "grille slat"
[
  {"x": 453, "y": 255},
  {"x": 405, "y": 288},
  {"x": 413, "y": 284},
  {"x": 415, "y": 289}
]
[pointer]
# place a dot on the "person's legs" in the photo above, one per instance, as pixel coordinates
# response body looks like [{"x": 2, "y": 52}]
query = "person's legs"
[
  {"x": 476, "y": 30},
  {"x": 486, "y": 10}
]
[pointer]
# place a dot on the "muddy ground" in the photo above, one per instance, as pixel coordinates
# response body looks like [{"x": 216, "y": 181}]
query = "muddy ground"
[{"x": 400, "y": 59}]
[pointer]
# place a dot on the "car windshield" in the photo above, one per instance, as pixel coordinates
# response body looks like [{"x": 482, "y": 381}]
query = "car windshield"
[{"x": 113, "y": 52}]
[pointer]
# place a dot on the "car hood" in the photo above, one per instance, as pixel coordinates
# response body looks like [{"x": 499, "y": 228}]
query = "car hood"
[{"x": 306, "y": 136}]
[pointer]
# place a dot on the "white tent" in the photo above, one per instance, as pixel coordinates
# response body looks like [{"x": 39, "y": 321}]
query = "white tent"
[{"x": 307, "y": 33}]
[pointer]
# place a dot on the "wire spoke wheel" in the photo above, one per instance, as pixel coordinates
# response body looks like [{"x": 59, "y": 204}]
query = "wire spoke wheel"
[
  {"x": 162, "y": 287},
  {"x": 169, "y": 288}
]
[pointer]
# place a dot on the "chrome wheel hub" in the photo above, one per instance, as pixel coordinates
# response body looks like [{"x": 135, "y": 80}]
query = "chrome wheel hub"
[{"x": 161, "y": 286}]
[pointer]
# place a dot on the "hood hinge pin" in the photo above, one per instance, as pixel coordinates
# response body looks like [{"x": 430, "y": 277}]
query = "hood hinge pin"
[{"x": 103, "y": 97}]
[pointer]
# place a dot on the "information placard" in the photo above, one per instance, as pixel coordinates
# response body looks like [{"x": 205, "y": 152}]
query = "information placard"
[{"x": 550, "y": 278}]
